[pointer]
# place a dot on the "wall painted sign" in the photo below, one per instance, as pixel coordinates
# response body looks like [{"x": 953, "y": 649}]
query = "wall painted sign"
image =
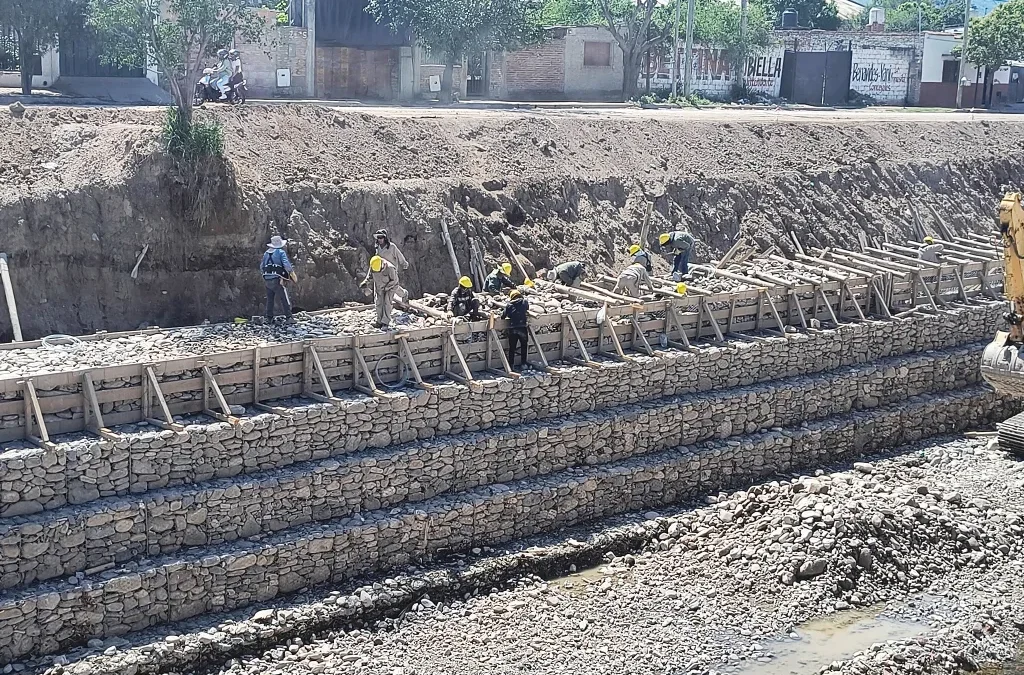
[
  {"x": 881, "y": 73},
  {"x": 713, "y": 72}
]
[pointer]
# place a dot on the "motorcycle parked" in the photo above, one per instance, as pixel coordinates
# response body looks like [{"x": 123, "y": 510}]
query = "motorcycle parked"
[{"x": 206, "y": 90}]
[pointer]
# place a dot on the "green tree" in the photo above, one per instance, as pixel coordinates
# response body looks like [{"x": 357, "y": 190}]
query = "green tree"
[
  {"x": 820, "y": 14},
  {"x": 458, "y": 28},
  {"x": 995, "y": 39},
  {"x": 35, "y": 24},
  {"x": 902, "y": 15},
  {"x": 180, "y": 36}
]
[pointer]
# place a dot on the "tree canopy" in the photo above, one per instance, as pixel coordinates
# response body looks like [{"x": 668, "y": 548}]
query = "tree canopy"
[
  {"x": 36, "y": 24},
  {"x": 820, "y": 14},
  {"x": 457, "y": 28},
  {"x": 998, "y": 37},
  {"x": 902, "y": 15},
  {"x": 179, "y": 35}
]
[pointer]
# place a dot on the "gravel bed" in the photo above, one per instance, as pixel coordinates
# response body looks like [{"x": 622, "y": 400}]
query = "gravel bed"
[{"x": 930, "y": 538}]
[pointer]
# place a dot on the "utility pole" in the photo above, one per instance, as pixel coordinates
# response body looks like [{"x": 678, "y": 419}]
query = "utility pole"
[
  {"x": 675, "y": 51},
  {"x": 918, "y": 17},
  {"x": 688, "y": 61},
  {"x": 963, "y": 57},
  {"x": 743, "y": 44}
]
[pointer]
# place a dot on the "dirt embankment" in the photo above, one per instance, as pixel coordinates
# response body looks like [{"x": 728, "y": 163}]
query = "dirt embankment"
[{"x": 83, "y": 191}]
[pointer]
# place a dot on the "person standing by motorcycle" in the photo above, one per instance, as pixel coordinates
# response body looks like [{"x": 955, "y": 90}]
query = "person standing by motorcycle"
[
  {"x": 236, "y": 66},
  {"x": 223, "y": 73}
]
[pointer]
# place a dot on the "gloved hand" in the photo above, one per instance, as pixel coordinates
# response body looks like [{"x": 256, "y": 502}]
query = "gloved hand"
[{"x": 294, "y": 277}]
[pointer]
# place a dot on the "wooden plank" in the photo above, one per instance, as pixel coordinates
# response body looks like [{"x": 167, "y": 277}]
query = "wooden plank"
[
  {"x": 158, "y": 393},
  {"x": 210, "y": 384},
  {"x": 256, "y": 358},
  {"x": 12, "y": 305},
  {"x": 579, "y": 339},
  {"x": 410, "y": 360},
  {"x": 540, "y": 348},
  {"x": 451, "y": 249},
  {"x": 32, "y": 410},
  {"x": 370, "y": 387},
  {"x": 467, "y": 373}
]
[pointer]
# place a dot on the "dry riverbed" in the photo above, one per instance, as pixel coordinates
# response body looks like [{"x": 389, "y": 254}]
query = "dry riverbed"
[{"x": 906, "y": 564}]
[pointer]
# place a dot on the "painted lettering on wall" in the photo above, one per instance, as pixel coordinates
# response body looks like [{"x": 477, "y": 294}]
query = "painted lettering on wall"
[
  {"x": 881, "y": 74},
  {"x": 713, "y": 71}
]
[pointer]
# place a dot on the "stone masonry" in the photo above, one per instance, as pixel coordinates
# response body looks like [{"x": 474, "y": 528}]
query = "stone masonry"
[{"x": 101, "y": 538}]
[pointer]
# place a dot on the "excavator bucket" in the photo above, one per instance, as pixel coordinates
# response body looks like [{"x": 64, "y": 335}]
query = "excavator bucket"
[{"x": 1002, "y": 366}]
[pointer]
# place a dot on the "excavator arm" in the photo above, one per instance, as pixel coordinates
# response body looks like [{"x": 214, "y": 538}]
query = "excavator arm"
[{"x": 1002, "y": 363}]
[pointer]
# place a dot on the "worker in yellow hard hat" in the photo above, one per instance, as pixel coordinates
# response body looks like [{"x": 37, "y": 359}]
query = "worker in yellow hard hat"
[
  {"x": 498, "y": 279},
  {"x": 385, "y": 248},
  {"x": 931, "y": 251},
  {"x": 678, "y": 243},
  {"x": 639, "y": 255},
  {"x": 517, "y": 312},
  {"x": 631, "y": 279},
  {"x": 384, "y": 276},
  {"x": 463, "y": 302}
]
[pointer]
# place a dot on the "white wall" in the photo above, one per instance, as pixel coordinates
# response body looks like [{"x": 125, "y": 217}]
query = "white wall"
[
  {"x": 50, "y": 70},
  {"x": 882, "y": 73},
  {"x": 581, "y": 80}
]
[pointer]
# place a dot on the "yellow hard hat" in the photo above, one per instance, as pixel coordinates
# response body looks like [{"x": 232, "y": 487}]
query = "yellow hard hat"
[
  {"x": 466, "y": 282},
  {"x": 663, "y": 238},
  {"x": 506, "y": 268},
  {"x": 376, "y": 263},
  {"x": 681, "y": 288},
  {"x": 633, "y": 249},
  {"x": 929, "y": 240},
  {"x": 515, "y": 294}
]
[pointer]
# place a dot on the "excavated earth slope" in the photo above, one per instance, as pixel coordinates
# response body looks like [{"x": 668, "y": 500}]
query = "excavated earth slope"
[{"x": 83, "y": 191}]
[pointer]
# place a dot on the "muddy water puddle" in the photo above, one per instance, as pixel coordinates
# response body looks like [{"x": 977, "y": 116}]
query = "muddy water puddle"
[{"x": 836, "y": 637}]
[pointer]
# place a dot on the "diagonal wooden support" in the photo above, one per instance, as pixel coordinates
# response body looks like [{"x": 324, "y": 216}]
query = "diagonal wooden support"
[
  {"x": 918, "y": 279},
  {"x": 370, "y": 388},
  {"x": 881, "y": 299},
  {"x": 792, "y": 300},
  {"x": 32, "y": 410},
  {"x": 210, "y": 384},
  {"x": 819, "y": 291},
  {"x": 256, "y": 358},
  {"x": 411, "y": 362},
  {"x": 467, "y": 375},
  {"x": 584, "y": 354},
  {"x": 638, "y": 334},
  {"x": 672, "y": 320},
  {"x": 775, "y": 313},
  {"x": 507, "y": 368},
  {"x": 614, "y": 339},
  {"x": 844, "y": 292},
  {"x": 540, "y": 350},
  {"x": 958, "y": 275},
  {"x": 154, "y": 391},
  {"x": 704, "y": 309},
  {"x": 311, "y": 365},
  {"x": 91, "y": 412}
]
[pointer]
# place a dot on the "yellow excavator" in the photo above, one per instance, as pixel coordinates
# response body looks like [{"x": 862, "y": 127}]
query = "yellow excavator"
[{"x": 1002, "y": 363}]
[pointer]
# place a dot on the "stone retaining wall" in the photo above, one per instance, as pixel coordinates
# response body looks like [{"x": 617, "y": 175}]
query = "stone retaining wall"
[
  {"x": 74, "y": 539},
  {"x": 75, "y": 473},
  {"x": 53, "y": 617}
]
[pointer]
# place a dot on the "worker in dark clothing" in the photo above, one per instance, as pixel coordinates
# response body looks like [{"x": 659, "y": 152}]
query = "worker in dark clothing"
[
  {"x": 517, "y": 312},
  {"x": 498, "y": 279},
  {"x": 462, "y": 301},
  {"x": 680, "y": 243},
  {"x": 570, "y": 273},
  {"x": 277, "y": 270}
]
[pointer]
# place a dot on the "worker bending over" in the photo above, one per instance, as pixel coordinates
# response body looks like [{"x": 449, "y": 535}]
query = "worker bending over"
[
  {"x": 498, "y": 279},
  {"x": 931, "y": 251},
  {"x": 517, "y": 313},
  {"x": 462, "y": 301},
  {"x": 679, "y": 242},
  {"x": 570, "y": 273},
  {"x": 631, "y": 279},
  {"x": 389, "y": 251},
  {"x": 277, "y": 271},
  {"x": 641, "y": 256},
  {"x": 385, "y": 285}
]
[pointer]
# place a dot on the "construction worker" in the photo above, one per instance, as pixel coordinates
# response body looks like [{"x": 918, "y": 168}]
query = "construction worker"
[
  {"x": 385, "y": 248},
  {"x": 631, "y": 279},
  {"x": 385, "y": 285},
  {"x": 517, "y": 313},
  {"x": 570, "y": 273},
  {"x": 641, "y": 256},
  {"x": 931, "y": 251},
  {"x": 498, "y": 279},
  {"x": 679, "y": 242},
  {"x": 462, "y": 302},
  {"x": 277, "y": 271}
]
